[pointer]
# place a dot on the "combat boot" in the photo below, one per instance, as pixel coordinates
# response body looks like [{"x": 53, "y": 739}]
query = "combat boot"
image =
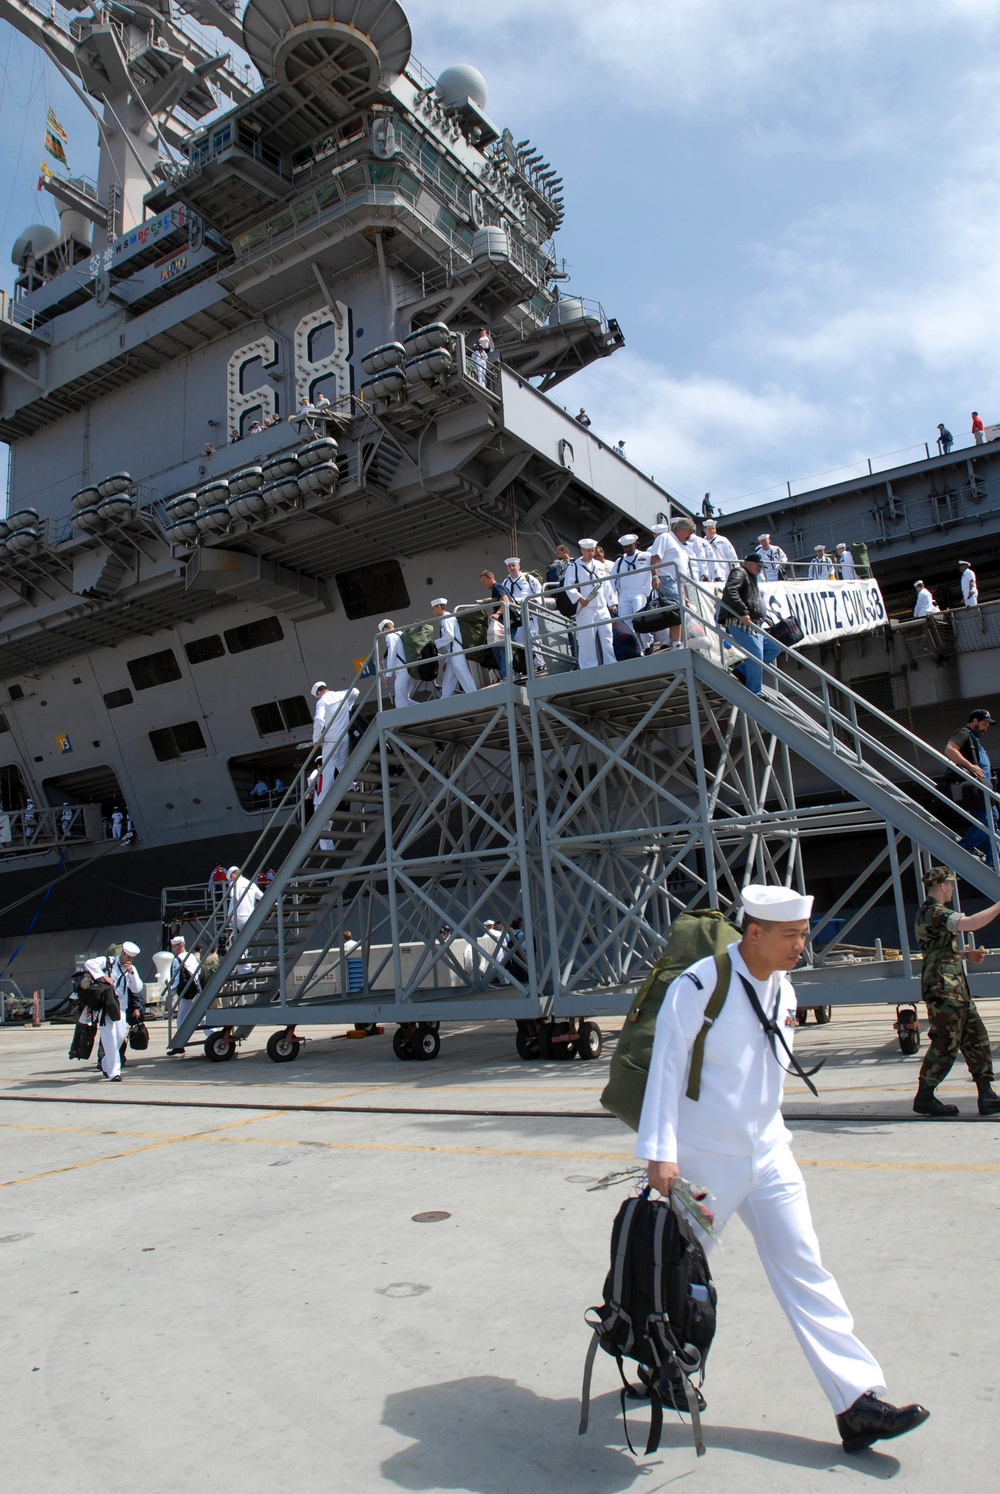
[
  {"x": 927, "y": 1103},
  {"x": 989, "y": 1102}
]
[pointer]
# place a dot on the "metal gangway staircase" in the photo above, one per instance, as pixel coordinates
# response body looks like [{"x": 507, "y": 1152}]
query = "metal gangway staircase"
[{"x": 594, "y": 806}]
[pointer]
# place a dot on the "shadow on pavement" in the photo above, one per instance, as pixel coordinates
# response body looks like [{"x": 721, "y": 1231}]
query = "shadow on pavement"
[{"x": 486, "y": 1435}]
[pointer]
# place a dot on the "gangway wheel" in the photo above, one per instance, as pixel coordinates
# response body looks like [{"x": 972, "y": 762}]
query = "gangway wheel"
[
  {"x": 591, "y": 1040},
  {"x": 562, "y": 1041},
  {"x": 283, "y": 1047},
  {"x": 824, "y": 1014},
  {"x": 416, "y": 1040},
  {"x": 220, "y": 1047},
  {"x": 526, "y": 1042}
]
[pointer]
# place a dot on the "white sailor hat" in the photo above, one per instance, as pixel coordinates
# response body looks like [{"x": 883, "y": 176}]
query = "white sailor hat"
[
  {"x": 917, "y": 585},
  {"x": 709, "y": 524},
  {"x": 386, "y": 622},
  {"x": 777, "y": 904},
  {"x": 841, "y": 544},
  {"x": 319, "y": 685},
  {"x": 765, "y": 536},
  {"x": 661, "y": 528},
  {"x": 588, "y": 544},
  {"x": 818, "y": 548},
  {"x": 130, "y": 949},
  {"x": 439, "y": 602},
  {"x": 513, "y": 560},
  {"x": 966, "y": 564},
  {"x": 231, "y": 870},
  {"x": 178, "y": 939},
  {"x": 627, "y": 539}
]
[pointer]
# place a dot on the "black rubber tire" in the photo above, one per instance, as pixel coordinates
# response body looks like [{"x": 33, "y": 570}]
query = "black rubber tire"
[
  {"x": 563, "y": 1052},
  {"x": 823, "y": 1014},
  {"x": 591, "y": 1041},
  {"x": 801, "y": 1016},
  {"x": 370, "y": 1027},
  {"x": 544, "y": 1040},
  {"x": 401, "y": 1044},
  {"x": 526, "y": 1045},
  {"x": 281, "y": 1048},
  {"x": 219, "y": 1049},
  {"x": 426, "y": 1043},
  {"x": 909, "y": 1041}
]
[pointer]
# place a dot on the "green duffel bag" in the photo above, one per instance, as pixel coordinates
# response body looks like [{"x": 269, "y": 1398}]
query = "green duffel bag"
[
  {"x": 862, "y": 564},
  {"x": 415, "y": 640},
  {"x": 692, "y": 937},
  {"x": 473, "y": 623}
]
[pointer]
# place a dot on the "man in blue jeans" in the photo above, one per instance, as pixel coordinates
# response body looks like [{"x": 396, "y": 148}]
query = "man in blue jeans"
[
  {"x": 965, "y": 749},
  {"x": 741, "y": 613}
]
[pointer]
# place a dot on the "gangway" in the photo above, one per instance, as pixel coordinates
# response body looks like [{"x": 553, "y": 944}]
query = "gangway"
[{"x": 593, "y": 806}]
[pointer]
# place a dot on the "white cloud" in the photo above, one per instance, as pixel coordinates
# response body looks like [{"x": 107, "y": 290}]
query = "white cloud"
[{"x": 694, "y": 434}]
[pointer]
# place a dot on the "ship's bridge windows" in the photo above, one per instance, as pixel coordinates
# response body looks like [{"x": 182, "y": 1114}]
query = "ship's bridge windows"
[
  {"x": 170, "y": 742},
  {"x": 373, "y": 589},
  {"x": 253, "y": 635},
  {"x": 154, "y": 669},
  {"x": 115, "y": 698},
  {"x": 281, "y": 715},
  {"x": 200, "y": 650},
  {"x": 13, "y": 793},
  {"x": 274, "y": 767}
]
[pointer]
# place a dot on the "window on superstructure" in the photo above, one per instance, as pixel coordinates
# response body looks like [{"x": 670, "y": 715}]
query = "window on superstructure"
[
  {"x": 116, "y": 698},
  {"x": 170, "y": 742},
  {"x": 154, "y": 669},
  {"x": 16, "y": 692},
  {"x": 374, "y": 588},
  {"x": 13, "y": 794},
  {"x": 253, "y": 635},
  {"x": 281, "y": 715},
  {"x": 3, "y": 723},
  {"x": 200, "y": 650}
]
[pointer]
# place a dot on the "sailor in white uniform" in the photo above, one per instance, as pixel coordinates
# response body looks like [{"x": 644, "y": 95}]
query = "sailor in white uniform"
[
  {"x": 718, "y": 553},
  {"x": 522, "y": 590},
  {"x": 331, "y": 727},
  {"x": 822, "y": 566},
  {"x": 970, "y": 586},
  {"x": 593, "y": 596},
  {"x": 732, "y": 1140},
  {"x": 631, "y": 577},
  {"x": 127, "y": 982},
  {"x": 184, "y": 978},
  {"x": 244, "y": 895},
  {"x": 846, "y": 568},
  {"x": 448, "y": 643},
  {"x": 395, "y": 664},
  {"x": 925, "y": 603},
  {"x": 772, "y": 558}
]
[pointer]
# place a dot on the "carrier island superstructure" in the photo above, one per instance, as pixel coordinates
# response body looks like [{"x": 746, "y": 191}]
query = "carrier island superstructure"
[{"x": 161, "y": 622}]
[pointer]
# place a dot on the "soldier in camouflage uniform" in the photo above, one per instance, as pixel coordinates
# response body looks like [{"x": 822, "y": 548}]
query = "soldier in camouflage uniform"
[{"x": 955, "y": 1025}]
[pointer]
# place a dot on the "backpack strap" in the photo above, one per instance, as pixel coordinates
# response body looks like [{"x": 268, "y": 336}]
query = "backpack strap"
[
  {"x": 717, "y": 1000},
  {"x": 588, "y": 1372}
]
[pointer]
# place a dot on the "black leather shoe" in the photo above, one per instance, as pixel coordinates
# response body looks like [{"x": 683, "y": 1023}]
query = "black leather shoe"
[
  {"x": 989, "y": 1102},
  {"x": 927, "y": 1103},
  {"x": 873, "y": 1420},
  {"x": 672, "y": 1394}
]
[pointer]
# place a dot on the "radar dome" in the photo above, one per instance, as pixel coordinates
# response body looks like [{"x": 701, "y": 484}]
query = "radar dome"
[
  {"x": 33, "y": 243},
  {"x": 460, "y": 83}
]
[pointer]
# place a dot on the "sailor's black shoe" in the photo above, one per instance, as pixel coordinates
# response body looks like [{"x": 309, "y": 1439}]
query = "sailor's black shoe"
[
  {"x": 927, "y": 1103},
  {"x": 873, "y": 1420},
  {"x": 672, "y": 1394},
  {"x": 989, "y": 1102}
]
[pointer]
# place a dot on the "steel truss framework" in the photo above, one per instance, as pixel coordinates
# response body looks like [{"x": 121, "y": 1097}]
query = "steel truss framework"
[{"x": 593, "y": 805}]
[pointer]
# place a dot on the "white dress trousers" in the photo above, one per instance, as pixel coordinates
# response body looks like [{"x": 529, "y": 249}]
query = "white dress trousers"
[
  {"x": 395, "y": 660},
  {"x": 593, "y": 622},
  {"x": 457, "y": 673}
]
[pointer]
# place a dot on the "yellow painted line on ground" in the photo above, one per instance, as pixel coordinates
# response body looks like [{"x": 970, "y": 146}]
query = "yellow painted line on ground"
[{"x": 133, "y": 1152}]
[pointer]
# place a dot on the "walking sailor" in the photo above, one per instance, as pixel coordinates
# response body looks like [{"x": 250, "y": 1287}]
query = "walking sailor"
[
  {"x": 449, "y": 643},
  {"x": 593, "y": 597}
]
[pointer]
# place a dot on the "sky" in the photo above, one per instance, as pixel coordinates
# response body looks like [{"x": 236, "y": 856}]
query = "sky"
[{"x": 791, "y": 208}]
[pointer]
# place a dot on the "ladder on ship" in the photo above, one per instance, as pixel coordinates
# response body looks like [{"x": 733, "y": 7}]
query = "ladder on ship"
[{"x": 593, "y": 805}]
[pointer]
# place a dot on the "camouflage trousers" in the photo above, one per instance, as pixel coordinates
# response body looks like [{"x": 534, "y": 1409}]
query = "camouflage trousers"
[{"x": 955, "y": 1027}]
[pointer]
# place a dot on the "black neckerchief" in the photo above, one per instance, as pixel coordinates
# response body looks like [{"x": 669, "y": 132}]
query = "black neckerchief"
[{"x": 772, "y": 1031}]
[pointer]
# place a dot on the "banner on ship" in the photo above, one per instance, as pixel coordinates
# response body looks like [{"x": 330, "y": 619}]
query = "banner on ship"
[{"x": 825, "y": 610}]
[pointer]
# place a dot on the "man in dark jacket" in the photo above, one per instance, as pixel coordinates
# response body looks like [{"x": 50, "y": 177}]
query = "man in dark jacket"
[{"x": 741, "y": 613}]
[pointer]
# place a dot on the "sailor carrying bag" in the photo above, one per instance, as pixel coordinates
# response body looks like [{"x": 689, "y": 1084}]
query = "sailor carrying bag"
[{"x": 659, "y": 613}]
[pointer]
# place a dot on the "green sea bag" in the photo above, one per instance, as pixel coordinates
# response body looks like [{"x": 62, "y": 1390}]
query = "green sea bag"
[{"x": 693, "y": 937}]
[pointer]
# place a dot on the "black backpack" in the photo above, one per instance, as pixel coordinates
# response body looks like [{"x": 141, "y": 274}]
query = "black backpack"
[
  {"x": 427, "y": 670},
  {"x": 658, "y": 1309}
]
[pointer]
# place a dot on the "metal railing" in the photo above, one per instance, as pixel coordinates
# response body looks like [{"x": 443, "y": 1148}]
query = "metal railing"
[{"x": 23, "y": 831}]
